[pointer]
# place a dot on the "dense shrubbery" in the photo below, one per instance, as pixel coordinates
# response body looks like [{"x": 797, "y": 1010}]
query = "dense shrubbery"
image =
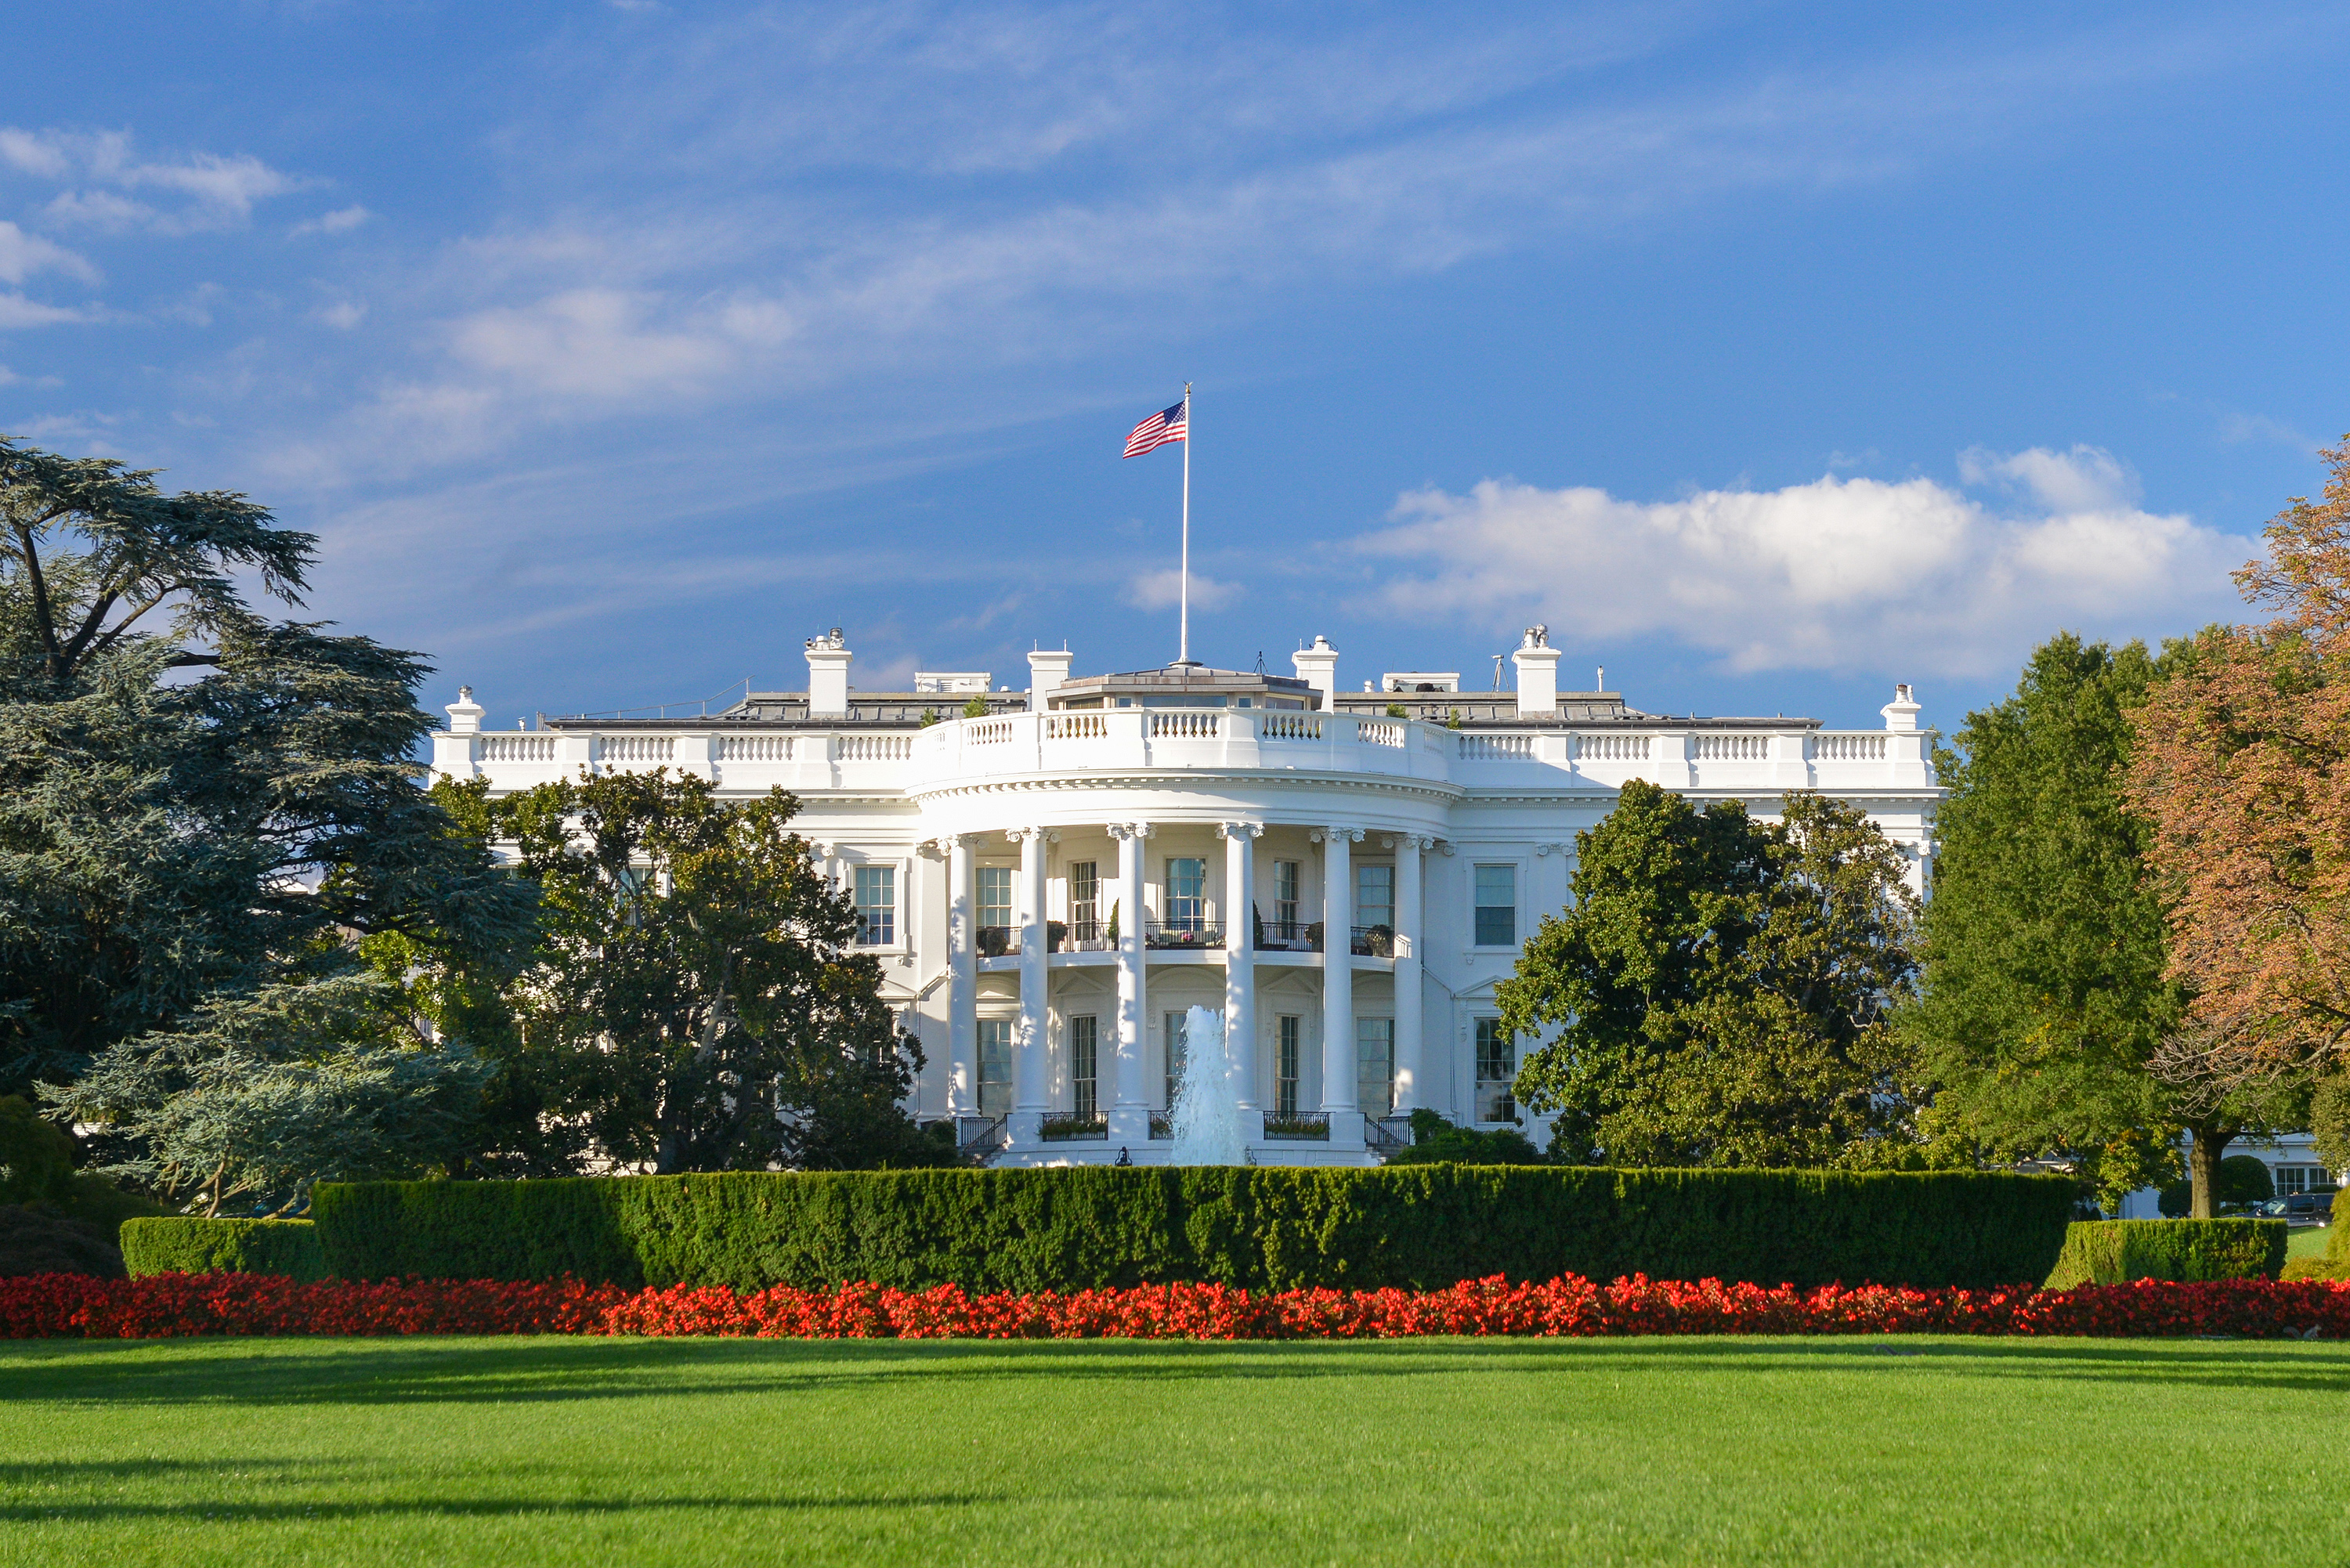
[
  {"x": 36, "y": 1167},
  {"x": 1271, "y": 1227},
  {"x": 2111, "y": 1251},
  {"x": 186, "y": 1245},
  {"x": 37, "y": 1240},
  {"x": 176, "y": 1306},
  {"x": 1435, "y": 1141}
]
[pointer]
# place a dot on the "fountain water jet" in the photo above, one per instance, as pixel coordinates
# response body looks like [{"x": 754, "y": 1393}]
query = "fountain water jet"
[{"x": 1206, "y": 1114}]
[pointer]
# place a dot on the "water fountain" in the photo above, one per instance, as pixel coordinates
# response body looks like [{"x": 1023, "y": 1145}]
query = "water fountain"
[{"x": 1206, "y": 1114}]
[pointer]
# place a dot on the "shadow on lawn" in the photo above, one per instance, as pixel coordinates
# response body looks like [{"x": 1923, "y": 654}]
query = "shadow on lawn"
[
  {"x": 425, "y": 1371},
  {"x": 220, "y": 1512}
]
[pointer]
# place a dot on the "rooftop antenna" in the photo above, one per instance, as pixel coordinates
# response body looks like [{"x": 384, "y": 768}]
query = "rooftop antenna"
[
  {"x": 1603, "y": 680},
  {"x": 1497, "y": 671}
]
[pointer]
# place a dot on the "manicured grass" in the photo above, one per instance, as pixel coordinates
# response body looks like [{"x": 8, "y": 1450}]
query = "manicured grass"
[
  {"x": 2307, "y": 1242},
  {"x": 1908, "y": 1451}
]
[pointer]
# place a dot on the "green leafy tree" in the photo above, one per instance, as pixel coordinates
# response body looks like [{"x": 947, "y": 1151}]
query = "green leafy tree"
[
  {"x": 1719, "y": 987},
  {"x": 2046, "y": 996},
  {"x": 696, "y": 1002},
  {"x": 266, "y": 1093},
  {"x": 198, "y": 804}
]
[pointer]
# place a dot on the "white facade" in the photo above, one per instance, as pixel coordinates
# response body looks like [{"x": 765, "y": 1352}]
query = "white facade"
[{"x": 1225, "y": 823}]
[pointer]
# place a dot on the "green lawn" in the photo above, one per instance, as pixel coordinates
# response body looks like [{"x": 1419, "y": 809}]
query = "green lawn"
[
  {"x": 2308, "y": 1243},
  {"x": 1703, "y": 1451}
]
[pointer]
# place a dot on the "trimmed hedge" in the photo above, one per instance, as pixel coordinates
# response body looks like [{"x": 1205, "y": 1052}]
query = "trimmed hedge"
[
  {"x": 178, "y": 1244},
  {"x": 1269, "y": 1228},
  {"x": 2114, "y": 1252}
]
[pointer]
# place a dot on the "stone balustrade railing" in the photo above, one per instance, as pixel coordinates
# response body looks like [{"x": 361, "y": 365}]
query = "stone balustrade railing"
[{"x": 1744, "y": 759}]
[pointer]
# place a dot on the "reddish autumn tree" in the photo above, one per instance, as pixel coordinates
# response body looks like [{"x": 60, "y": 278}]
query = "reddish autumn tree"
[{"x": 2243, "y": 766}]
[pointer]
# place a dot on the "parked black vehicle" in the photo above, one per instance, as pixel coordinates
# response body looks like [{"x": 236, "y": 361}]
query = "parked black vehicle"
[{"x": 2296, "y": 1209}]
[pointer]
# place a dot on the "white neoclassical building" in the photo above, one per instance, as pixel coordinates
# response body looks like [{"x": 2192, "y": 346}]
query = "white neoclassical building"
[{"x": 1344, "y": 875}]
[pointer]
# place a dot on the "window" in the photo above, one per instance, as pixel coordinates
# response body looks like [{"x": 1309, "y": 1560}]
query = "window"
[
  {"x": 994, "y": 1067},
  {"x": 1187, "y": 895},
  {"x": 1497, "y": 906},
  {"x": 1284, "y": 899},
  {"x": 877, "y": 906},
  {"x": 1085, "y": 902},
  {"x": 1374, "y": 896},
  {"x": 1375, "y": 1065},
  {"x": 1497, "y": 1067},
  {"x": 1174, "y": 1036},
  {"x": 2297, "y": 1179},
  {"x": 1284, "y": 1064},
  {"x": 995, "y": 896},
  {"x": 1085, "y": 1037}
]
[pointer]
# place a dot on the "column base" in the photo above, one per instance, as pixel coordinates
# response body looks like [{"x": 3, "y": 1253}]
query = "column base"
[
  {"x": 1345, "y": 1130},
  {"x": 1129, "y": 1128},
  {"x": 1024, "y": 1130}
]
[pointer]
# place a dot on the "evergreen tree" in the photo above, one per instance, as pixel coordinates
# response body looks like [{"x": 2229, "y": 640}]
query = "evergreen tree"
[
  {"x": 696, "y": 1002},
  {"x": 1718, "y": 987}
]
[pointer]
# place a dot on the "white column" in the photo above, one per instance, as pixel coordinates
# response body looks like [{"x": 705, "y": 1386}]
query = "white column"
[
  {"x": 1239, "y": 964},
  {"x": 1407, "y": 1014},
  {"x": 1032, "y": 1082},
  {"x": 963, "y": 982},
  {"x": 1338, "y": 988},
  {"x": 1130, "y": 1113}
]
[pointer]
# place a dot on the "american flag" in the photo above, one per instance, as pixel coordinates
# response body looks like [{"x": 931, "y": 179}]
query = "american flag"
[{"x": 1166, "y": 425}]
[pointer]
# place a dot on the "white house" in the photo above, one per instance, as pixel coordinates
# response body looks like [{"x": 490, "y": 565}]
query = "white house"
[{"x": 1345, "y": 875}]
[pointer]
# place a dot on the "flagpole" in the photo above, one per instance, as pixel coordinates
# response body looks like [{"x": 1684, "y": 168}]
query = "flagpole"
[{"x": 1183, "y": 655}]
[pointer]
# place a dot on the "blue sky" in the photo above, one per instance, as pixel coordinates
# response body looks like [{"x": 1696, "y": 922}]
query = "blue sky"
[{"x": 1768, "y": 353}]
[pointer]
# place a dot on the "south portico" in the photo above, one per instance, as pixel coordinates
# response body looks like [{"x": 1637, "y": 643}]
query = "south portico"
[{"x": 1064, "y": 1006}]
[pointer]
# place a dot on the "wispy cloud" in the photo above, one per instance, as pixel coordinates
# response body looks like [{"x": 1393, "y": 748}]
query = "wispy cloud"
[
  {"x": 1832, "y": 575},
  {"x": 212, "y": 192},
  {"x": 341, "y": 220}
]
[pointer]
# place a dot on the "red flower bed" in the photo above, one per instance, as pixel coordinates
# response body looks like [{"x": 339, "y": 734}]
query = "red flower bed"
[{"x": 162, "y": 1306}]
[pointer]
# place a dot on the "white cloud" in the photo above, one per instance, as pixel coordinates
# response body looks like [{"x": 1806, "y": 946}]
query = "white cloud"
[
  {"x": 1838, "y": 574},
  {"x": 1163, "y": 590},
  {"x": 217, "y": 191},
  {"x": 23, "y": 254},
  {"x": 16, "y": 311},
  {"x": 342, "y": 315},
  {"x": 341, "y": 220}
]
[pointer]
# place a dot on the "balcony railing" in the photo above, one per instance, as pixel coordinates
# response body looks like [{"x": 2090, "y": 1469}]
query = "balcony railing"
[
  {"x": 1062, "y": 1126},
  {"x": 1289, "y": 936},
  {"x": 1304, "y": 1126},
  {"x": 1162, "y": 1127},
  {"x": 1372, "y": 941},
  {"x": 998, "y": 941},
  {"x": 1384, "y": 1136},
  {"x": 1202, "y": 936},
  {"x": 979, "y": 1138}
]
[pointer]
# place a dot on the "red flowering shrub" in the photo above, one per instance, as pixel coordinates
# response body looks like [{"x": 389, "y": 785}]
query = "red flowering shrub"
[{"x": 162, "y": 1306}]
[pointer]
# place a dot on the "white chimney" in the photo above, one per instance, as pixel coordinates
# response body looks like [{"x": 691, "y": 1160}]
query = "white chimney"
[
  {"x": 1901, "y": 713},
  {"x": 464, "y": 713},
  {"x": 828, "y": 676},
  {"x": 1047, "y": 667},
  {"x": 1318, "y": 667},
  {"x": 1537, "y": 663}
]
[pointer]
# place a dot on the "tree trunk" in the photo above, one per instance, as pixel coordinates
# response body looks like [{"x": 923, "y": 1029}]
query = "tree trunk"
[{"x": 2203, "y": 1165}]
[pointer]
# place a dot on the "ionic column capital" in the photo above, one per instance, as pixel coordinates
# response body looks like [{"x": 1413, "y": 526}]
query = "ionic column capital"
[
  {"x": 1041, "y": 835},
  {"x": 1333, "y": 834},
  {"x": 1129, "y": 829},
  {"x": 1240, "y": 830}
]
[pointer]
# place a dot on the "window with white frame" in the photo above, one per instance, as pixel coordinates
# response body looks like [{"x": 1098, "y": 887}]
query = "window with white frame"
[
  {"x": 1497, "y": 1069},
  {"x": 2298, "y": 1178},
  {"x": 994, "y": 1067},
  {"x": 1374, "y": 896},
  {"x": 1375, "y": 1065},
  {"x": 994, "y": 910},
  {"x": 1084, "y": 1063},
  {"x": 1497, "y": 906},
  {"x": 1285, "y": 880},
  {"x": 1085, "y": 901},
  {"x": 876, "y": 890},
  {"x": 1287, "y": 1056},
  {"x": 1186, "y": 906}
]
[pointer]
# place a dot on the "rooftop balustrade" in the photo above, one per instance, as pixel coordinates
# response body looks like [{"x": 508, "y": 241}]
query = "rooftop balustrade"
[{"x": 1736, "y": 755}]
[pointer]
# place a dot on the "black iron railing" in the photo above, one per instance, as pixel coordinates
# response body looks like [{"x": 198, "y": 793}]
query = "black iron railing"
[
  {"x": 1290, "y": 936},
  {"x": 1200, "y": 937},
  {"x": 1383, "y": 1136},
  {"x": 997, "y": 941},
  {"x": 1372, "y": 941},
  {"x": 1063, "y": 1125},
  {"x": 979, "y": 1138},
  {"x": 1162, "y": 1126},
  {"x": 1313, "y": 1126}
]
